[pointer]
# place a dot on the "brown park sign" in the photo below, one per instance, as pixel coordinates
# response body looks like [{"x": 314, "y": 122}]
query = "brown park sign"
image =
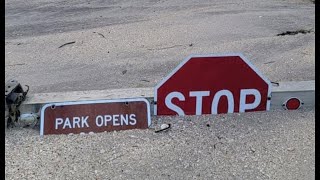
[{"x": 95, "y": 116}]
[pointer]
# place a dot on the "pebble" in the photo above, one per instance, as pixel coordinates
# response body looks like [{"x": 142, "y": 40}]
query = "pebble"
[{"x": 164, "y": 126}]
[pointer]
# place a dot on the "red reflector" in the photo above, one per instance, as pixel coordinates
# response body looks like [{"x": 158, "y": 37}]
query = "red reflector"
[{"x": 292, "y": 104}]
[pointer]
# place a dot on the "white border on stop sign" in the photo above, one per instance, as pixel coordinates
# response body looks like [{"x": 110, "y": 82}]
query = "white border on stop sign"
[
  {"x": 185, "y": 60},
  {"x": 93, "y": 102}
]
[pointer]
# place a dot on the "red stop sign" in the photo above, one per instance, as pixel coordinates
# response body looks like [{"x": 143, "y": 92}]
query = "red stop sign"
[{"x": 213, "y": 84}]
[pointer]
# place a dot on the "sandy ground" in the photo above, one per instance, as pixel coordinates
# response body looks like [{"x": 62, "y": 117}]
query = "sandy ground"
[
  {"x": 127, "y": 44},
  {"x": 148, "y": 39},
  {"x": 278, "y": 145}
]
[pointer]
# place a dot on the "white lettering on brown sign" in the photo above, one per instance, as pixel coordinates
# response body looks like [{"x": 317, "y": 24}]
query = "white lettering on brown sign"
[{"x": 95, "y": 116}]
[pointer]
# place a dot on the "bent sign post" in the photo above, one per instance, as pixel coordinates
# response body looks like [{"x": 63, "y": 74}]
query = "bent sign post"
[
  {"x": 95, "y": 116},
  {"x": 212, "y": 84}
]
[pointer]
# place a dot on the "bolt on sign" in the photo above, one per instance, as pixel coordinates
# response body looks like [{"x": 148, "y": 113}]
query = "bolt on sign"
[
  {"x": 95, "y": 116},
  {"x": 213, "y": 84}
]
